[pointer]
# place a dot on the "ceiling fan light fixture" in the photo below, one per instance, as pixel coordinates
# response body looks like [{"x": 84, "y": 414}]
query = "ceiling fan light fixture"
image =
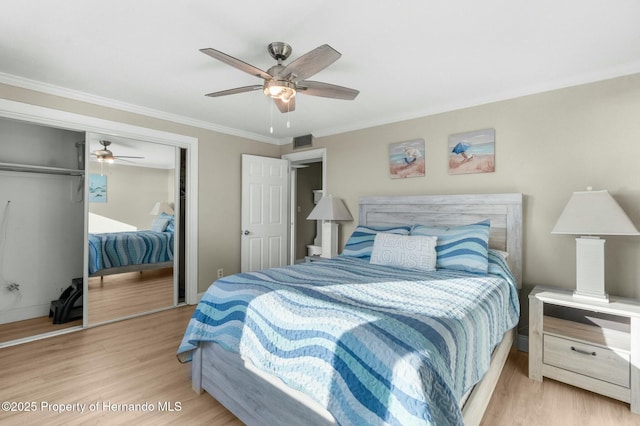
[
  {"x": 107, "y": 158},
  {"x": 280, "y": 89},
  {"x": 104, "y": 156}
]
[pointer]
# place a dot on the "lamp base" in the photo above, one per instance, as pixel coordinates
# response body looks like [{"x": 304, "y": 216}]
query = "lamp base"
[
  {"x": 590, "y": 269},
  {"x": 604, "y": 298},
  {"x": 329, "y": 239}
]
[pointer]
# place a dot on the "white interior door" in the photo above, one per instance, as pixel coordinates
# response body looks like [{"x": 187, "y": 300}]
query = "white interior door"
[{"x": 264, "y": 212}]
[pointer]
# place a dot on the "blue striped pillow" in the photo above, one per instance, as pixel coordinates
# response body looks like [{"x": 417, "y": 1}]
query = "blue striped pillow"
[
  {"x": 465, "y": 248},
  {"x": 360, "y": 243},
  {"x": 171, "y": 225}
]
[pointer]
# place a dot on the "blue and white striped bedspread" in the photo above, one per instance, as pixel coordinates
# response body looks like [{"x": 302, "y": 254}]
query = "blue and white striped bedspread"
[
  {"x": 116, "y": 249},
  {"x": 373, "y": 344}
]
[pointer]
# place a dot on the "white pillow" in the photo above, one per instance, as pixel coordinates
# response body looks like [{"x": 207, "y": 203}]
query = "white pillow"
[
  {"x": 406, "y": 251},
  {"x": 159, "y": 224}
]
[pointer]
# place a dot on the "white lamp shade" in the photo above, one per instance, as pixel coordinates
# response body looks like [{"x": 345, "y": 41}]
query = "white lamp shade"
[
  {"x": 594, "y": 213},
  {"x": 161, "y": 207},
  {"x": 329, "y": 208}
]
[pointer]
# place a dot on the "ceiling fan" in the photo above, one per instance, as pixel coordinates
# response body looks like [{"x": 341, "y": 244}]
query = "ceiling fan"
[
  {"x": 106, "y": 156},
  {"x": 281, "y": 82}
]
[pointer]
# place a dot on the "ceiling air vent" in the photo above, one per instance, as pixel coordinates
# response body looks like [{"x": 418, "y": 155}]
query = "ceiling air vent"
[{"x": 302, "y": 141}]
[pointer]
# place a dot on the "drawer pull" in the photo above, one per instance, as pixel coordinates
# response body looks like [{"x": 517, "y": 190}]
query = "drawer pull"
[{"x": 582, "y": 351}]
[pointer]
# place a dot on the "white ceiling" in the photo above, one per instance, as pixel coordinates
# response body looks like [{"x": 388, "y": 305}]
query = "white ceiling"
[{"x": 408, "y": 58}]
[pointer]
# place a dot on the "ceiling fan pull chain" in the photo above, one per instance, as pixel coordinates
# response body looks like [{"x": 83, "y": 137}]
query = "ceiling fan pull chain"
[{"x": 271, "y": 117}]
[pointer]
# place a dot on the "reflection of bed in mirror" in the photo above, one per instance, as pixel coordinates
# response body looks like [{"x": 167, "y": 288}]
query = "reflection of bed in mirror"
[
  {"x": 356, "y": 375},
  {"x": 129, "y": 251}
]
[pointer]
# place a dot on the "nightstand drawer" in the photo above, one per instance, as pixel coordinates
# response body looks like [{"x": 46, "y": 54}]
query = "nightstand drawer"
[{"x": 590, "y": 360}]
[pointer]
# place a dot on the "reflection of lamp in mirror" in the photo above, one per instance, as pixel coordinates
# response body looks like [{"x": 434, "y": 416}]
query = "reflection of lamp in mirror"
[
  {"x": 591, "y": 213},
  {"x": 329, "y": 210},
  {"x": 161, "y": 207}
]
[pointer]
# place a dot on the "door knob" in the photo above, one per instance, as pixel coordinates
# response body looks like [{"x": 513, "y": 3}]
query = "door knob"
[{"x": 244, "y": 232}]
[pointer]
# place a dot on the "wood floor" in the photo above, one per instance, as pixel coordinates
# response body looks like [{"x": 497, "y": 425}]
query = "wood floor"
[
  {"x": 520, "y": 401},
  {"x": 113, "y": 297},
  {"x": 123, "y": 295},
  {"x": 127, "y": 362},
  {"x": 134, "y": 362},
  {"x": 32, "y": 327}
]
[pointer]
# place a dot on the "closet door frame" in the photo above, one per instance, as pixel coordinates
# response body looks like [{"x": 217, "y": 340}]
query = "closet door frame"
[{"x": 81, "y": 123}]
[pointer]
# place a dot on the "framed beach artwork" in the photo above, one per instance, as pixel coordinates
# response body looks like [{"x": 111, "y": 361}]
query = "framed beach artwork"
[
  {"x": 472, "y": 152},
  {"x": 406, "y": 159},
  {"x": 97, "y": 189}
]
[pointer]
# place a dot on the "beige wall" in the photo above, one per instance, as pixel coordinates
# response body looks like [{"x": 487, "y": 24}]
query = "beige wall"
[
  {"x": 219, "y": 177},
  {"x": 547, "y": 146},
  {"x": 132, "y": 192}
]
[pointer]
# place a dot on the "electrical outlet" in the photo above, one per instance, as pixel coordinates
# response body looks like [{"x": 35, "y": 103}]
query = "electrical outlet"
[{"x": 220, "y": 273}]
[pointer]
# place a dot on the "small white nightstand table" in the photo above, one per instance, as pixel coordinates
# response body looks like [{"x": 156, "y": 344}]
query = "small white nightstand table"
[{"x": 589, "y": 344}]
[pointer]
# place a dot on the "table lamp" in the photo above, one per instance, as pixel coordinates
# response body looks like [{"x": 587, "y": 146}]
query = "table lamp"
[
  {"x": 329, "y": 210},
  {"x": 161, "y": 207},
  {"x": 589, "y": 214}
]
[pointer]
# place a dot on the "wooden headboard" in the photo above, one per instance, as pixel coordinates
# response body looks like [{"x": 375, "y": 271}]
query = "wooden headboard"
[{"x": 504, "y": 211}]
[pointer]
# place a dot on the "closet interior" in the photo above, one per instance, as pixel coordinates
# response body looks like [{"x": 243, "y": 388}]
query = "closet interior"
[{"x": 42, "y": 241}]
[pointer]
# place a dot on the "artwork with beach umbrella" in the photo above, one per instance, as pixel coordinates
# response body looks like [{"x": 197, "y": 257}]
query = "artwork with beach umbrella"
[
  {"x": 406, "y": 159},
  {"x": 472, "y": 152}
]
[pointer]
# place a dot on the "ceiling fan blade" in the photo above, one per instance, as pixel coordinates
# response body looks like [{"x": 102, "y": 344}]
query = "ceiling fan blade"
[
  {"x": 121, "y": 159},
  {"x": 286, "y": 107},
  {"x": 311, "y": 63},
  {"x": 234, "y": 91},
  {"x": 326, "y": 90},
  {"x": 236, "y": 63}
]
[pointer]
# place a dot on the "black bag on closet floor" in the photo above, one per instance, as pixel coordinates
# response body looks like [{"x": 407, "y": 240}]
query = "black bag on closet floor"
[{"x": 69, "y": 306}]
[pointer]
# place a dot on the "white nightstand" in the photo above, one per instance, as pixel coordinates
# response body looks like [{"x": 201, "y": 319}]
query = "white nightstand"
[
  {"x": 314, "y": 258},
  {"x": 589, "y": 344}
]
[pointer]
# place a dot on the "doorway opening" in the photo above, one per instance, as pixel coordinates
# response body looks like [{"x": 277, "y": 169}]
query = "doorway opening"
[{"x": 307, "y": 186}]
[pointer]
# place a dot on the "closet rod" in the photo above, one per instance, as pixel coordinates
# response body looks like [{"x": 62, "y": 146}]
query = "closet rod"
[{"x": 11, "y": 167}]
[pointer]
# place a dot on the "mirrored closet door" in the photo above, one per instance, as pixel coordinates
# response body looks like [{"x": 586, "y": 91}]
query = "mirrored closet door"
[{"x": 133, "y": 227}]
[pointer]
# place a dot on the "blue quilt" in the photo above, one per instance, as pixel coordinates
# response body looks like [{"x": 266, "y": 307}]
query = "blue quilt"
[
  {"x": 373, "y": 344},
  {"x": 116, "y": 249}
]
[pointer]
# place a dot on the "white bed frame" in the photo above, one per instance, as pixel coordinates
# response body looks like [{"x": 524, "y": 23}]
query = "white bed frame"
[{"x": 258, "y": 398}]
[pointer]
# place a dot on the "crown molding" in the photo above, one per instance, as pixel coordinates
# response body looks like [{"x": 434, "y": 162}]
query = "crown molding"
[
  {"x": 50, "y": 89},
  {"x": 610, "y": 73}
]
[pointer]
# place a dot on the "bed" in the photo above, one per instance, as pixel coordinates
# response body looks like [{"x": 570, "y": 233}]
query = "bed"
[
  {"x": 447, "y": 371},
  {"x": 119, "y": 252}
]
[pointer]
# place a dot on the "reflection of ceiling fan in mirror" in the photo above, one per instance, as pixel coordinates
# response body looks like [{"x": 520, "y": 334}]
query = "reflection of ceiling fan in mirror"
[{"x": 106, "y": 156}]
